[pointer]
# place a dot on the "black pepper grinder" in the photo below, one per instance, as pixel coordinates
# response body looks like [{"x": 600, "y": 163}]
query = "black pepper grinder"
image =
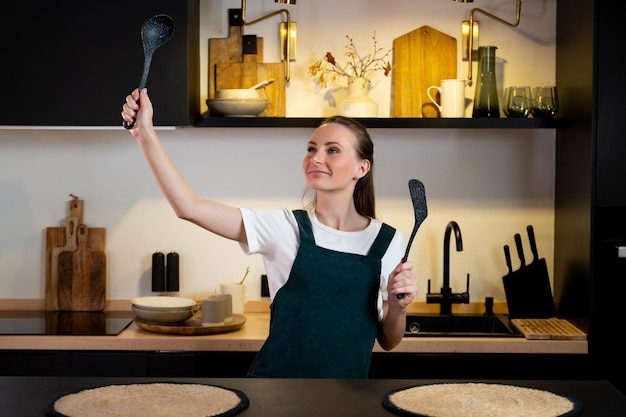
[
  {"x": 172, "y": 281},
  {"x": 158, "y": 272}
]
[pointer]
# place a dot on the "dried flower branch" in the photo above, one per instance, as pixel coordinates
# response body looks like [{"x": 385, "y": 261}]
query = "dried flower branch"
[{"x": 327, "y": 69}]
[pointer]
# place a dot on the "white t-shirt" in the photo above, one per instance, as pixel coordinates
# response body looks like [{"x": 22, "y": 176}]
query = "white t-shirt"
[{"x": 274, "y": 234}]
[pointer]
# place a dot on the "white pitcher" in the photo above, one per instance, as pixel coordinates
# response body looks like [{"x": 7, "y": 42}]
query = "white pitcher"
[{"x": 452, "y": 96}]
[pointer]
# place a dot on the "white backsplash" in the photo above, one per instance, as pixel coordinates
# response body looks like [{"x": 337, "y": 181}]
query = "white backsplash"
[{"x": 492, "y": 182}]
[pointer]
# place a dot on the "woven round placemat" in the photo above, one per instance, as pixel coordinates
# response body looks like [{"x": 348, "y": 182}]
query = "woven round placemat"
[
  {"x": 150, "y": 400},
  {"x": 478, "y": 400}
]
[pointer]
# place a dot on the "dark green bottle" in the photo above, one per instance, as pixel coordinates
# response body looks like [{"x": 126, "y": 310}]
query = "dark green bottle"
[{"x": 486, "y": 95}]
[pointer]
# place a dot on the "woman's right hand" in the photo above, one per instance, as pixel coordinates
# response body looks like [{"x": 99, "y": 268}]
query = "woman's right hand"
[{"x": 138, "y": 111}]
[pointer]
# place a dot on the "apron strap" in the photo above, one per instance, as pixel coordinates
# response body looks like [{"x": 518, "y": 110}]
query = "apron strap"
[
  {"x": 384, "y": 238},
  {"x": 304, "y": 225}
]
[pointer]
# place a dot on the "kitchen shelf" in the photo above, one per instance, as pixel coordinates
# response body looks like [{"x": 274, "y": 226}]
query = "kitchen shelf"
[{"x": 386, "y": 123}]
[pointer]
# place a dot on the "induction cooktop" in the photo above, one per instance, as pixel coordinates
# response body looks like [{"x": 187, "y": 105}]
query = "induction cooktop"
[{"x": 88, "y": 323}]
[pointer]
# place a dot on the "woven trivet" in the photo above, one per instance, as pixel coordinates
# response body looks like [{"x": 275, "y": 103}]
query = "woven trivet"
[
  {"x": 150, "y": 400},
  {"x": 478, "y": 400}
]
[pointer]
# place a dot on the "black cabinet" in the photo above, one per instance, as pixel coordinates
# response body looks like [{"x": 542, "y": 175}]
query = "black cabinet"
[
  {"x": 610, "y": 110},
  {"x": 590, "y": 192},
  {"x": 72, "y": 62}
]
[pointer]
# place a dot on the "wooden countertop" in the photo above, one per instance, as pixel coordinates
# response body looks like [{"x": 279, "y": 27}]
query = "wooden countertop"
[{"x": 253, "y": 333}]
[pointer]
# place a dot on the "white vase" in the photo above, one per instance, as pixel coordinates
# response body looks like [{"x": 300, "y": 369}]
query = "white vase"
[{"x": 358, "y": 103}]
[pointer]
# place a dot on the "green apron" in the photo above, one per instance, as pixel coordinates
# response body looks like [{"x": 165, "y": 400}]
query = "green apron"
[{"x": 324, "y": 320}]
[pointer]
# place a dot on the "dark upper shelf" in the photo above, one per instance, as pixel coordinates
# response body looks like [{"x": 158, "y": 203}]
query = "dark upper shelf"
[{"x": 388, "y": 123}]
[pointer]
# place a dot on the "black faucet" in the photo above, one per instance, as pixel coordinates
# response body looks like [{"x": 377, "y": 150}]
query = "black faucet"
[{"x": 446, "y": 297}]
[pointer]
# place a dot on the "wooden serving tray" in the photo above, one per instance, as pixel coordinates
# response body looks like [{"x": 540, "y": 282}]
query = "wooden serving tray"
[{"x": 192, "y": 327}]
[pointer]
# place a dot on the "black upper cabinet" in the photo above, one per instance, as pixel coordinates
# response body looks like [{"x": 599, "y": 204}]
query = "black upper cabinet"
[{"x": 72, "y": 62}]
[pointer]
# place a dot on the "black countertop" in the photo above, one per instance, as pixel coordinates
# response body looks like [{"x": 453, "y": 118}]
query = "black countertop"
[
  {"x": 28, "y": 396},
  {"x": 89, "y": 323}
]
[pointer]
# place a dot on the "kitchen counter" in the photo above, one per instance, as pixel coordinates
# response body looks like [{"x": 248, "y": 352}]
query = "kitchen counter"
[
  {"x": 254, "y": 332},
  {"x": 28, "y": 396}
]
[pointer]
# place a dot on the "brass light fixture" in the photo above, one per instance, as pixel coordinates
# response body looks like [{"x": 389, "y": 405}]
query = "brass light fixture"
[
  {"x": 287, "y": 37},
  {"x": 292, "y": 34},
  {"x": 469, "y": 40}
]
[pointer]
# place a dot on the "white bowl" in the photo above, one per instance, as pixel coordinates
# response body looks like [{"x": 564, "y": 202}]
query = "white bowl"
[
  {"x": 171, "y": 316},
  {"x": 236, "y": 107},
  {"x": 163, "y": 303},
  {"x": 237, "y": 94}
]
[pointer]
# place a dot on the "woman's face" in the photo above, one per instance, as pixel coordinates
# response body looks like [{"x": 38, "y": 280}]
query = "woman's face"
[{"x": 331, "y": 161}]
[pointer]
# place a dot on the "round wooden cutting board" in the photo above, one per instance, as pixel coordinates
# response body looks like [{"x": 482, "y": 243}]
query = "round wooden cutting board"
[{"x": 192, "y": 327}]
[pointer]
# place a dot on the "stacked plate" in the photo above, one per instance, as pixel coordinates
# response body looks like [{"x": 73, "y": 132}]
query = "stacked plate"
[{"x": 164, "y": 309}]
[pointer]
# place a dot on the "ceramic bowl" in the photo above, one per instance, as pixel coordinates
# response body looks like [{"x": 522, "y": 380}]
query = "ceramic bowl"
[
  {"x": 163, "y": 303},
  {"x": 237, "y": 94},
  {"x": 237, "y": 107},
  {"x": 170, "y": 316}
]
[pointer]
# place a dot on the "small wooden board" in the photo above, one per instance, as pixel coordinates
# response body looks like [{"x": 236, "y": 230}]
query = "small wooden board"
[
  {"x": 192, "y": 327},
  {"x": 552, "y": 328}
]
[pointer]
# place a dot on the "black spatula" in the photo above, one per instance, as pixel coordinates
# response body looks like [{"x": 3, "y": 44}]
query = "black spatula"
[{"x": 420, "y": 211}]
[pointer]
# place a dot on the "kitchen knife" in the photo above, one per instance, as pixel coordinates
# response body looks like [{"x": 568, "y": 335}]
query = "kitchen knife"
[
  {"x": 507, "y": 256},
  {"x": 533, "y": 243},
  {"x": 520, "y": 249}
]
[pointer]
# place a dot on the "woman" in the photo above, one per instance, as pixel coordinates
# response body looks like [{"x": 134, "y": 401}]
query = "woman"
[{"x": 334, "y": 271}]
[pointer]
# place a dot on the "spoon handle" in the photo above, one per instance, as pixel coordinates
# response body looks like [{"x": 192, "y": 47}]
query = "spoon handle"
[
  {"x": 129, "y": 125},
  {"x": 142, "y": 85}
]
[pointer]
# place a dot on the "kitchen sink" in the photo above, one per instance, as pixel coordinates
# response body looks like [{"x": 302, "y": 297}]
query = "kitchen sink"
[{"x": 459, "y": 325}]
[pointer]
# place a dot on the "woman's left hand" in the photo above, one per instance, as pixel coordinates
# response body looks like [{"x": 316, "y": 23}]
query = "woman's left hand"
[{"x": 402, "y": 281}]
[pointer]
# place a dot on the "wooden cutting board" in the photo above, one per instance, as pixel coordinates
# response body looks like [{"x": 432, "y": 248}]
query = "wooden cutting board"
[
  {"x": 421, "y": 58},
  {"x": 225, "y": 50},
  {"x": 82, "y": 276},
  {"x": 246, "y": 52},
  {"x": 251, "y": 71},
  {"x": 70, "y": 244},
  {"x": 552, "y": 328},
  {"x": 57, "y": 241}
]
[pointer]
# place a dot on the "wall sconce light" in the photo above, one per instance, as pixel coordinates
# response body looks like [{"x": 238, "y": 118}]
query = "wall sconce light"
[
  {"x": 469, "y": 53},
  {"x": 465, "y": 33},
  {"x": 292, "y": 33},
  {"x": 287, "y": 44}
]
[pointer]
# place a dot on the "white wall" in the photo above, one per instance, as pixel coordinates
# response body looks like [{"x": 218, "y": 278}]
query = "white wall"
[{"x": 492, "y": 182}]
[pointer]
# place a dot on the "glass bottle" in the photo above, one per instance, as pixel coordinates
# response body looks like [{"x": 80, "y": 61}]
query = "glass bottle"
[{"x": 486, "y": 95}]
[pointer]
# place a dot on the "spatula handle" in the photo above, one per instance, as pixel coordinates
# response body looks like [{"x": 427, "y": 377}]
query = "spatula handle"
[{"x": 131, "y": 124}]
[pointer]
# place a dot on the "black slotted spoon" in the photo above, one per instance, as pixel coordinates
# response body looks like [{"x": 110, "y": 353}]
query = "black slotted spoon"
[
  {"x": 420, "y": 210},
  {"x": 155, "y": 32}
]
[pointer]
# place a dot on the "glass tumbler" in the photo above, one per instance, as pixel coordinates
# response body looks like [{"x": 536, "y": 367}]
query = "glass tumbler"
[
  {"x": 518, "y": 101},
  {"x": 545, "y": 101}
]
